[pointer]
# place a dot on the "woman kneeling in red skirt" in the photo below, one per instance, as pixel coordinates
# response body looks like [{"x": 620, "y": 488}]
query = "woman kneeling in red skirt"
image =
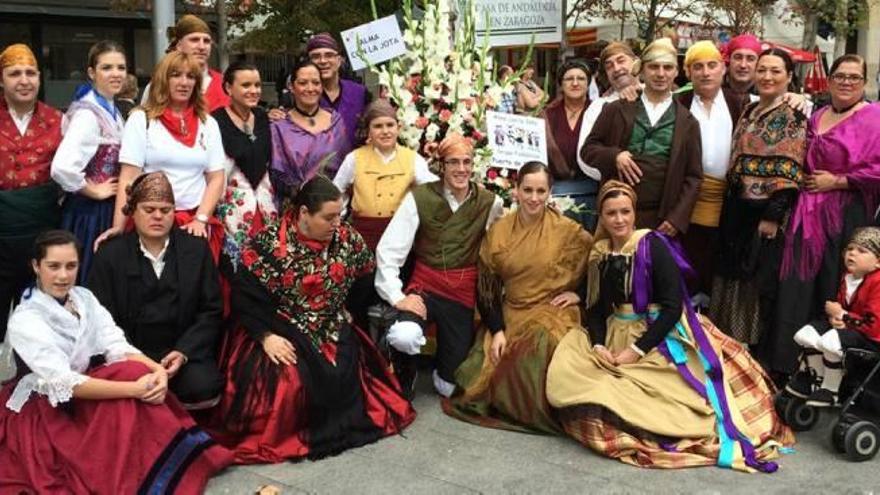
[
  {"x": 301, "y": 381},
  {"x": 87, "y": 412}
]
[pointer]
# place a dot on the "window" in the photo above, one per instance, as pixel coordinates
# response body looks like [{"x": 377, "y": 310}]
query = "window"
[{"x": 66, "y": 50}]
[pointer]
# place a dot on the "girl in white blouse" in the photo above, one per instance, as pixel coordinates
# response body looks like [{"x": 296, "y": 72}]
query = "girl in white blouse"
[
  {"x": 86, "y": 164},
  {"x": 82, "y": 391}
]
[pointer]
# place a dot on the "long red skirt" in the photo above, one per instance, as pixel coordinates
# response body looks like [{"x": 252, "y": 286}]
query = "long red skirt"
[
  {"x": 104, "y": 446},
  {"x": 280, "y": 430}
]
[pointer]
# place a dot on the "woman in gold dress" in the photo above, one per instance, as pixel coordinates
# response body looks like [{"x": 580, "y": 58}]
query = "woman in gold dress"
[
  {"x": 653, "y": 384},
  {"x": 532, "y": 263}
]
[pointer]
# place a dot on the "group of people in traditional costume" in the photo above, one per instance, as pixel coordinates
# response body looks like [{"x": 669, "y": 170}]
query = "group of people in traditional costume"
[{"x": 220, "y": 265}]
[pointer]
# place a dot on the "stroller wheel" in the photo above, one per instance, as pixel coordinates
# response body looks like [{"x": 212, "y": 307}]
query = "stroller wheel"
[
  {"x": 862, "y": 441},
  {"x": 796, "y": 413},
  {"x": 838, "y": 435}
]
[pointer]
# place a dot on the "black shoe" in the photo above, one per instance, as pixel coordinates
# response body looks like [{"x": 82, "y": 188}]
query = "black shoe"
[
  {"x": 822, "y": 398},
  {"x": 406, "y": 371},
  {"x": 802, "y": 384}
]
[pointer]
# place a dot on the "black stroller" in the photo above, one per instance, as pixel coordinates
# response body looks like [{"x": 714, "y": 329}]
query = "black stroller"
[{"x": 856, "y": 433}]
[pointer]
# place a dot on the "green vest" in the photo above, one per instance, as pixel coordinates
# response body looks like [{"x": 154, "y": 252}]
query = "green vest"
[
  {"x": 652, "y": 140},
  {"x": 445, "y": 239}
]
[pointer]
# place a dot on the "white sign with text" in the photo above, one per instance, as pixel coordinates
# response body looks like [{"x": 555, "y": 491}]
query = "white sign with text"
[
  {"x": 380, "y": 40},
  {"x": 513, "y": 22},
  {"x": 515, "y": 139}
]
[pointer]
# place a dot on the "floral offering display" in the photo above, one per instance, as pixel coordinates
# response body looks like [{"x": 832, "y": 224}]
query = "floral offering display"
[{"x": 445, "y": 84}]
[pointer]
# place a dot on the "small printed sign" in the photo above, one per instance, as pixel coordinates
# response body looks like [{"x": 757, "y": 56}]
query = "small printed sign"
[
  {"x": 516, "y": 139},
  {"x": 380, "y": 40}
]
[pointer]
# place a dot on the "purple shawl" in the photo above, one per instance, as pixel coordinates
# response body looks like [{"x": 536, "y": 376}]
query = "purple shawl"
[
  {"x": 850, "y": 148},
  {"x": 297, "y": 153}
]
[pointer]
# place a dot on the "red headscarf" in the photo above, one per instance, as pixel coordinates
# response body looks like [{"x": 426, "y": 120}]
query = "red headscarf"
[{"x": 741, "y": 42}]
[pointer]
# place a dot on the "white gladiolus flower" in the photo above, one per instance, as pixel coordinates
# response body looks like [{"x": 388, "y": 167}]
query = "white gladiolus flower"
[
  {"x": 410, "y": 116},
  {"x": 443, "y": 68},
  {"x": 433, "y": 92},
  {"x": 495, "y": 94},
  {"x": 431, "y": 132}
]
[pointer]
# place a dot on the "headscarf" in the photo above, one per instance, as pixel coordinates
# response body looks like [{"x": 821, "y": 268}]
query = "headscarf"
[
  {"x": 607, "y": 188},
  {"x": 153, "y": 186},
  {"x": 455, "y": 144},
  {"x": 868, "y": 238},
  {"x": 185, "y": 26},
  {"x": 660, "y": 50},
  {"x": 322, "y": 40},
  {"x": 700, "y": 51},
  {"x": 17, "y": 54},
  {"x": 379, "y": 108},
  {"x": 742, "y": 42}
]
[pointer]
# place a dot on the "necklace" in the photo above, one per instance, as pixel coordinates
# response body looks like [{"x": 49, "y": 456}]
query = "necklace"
[
  {"x": 844, "y": 109},
  {"x": 573, "y": 113},
  {"x": 310, "y": 116},
  {"x": 245, "y": 126},
  {"x": 183, "y": 130}
]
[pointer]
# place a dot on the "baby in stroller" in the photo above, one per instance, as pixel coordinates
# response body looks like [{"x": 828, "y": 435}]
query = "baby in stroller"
[{"x": 853, "y": 321}]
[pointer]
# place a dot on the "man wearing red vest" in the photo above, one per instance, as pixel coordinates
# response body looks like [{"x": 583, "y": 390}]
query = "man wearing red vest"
[{"x": 30, "y": 132}]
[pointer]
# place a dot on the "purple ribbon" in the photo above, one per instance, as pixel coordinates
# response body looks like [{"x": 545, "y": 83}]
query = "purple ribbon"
[{"x": 641, "y": 294}]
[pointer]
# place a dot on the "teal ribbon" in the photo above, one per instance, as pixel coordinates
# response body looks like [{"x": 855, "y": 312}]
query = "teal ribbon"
[{"x": 725, "y": 457}]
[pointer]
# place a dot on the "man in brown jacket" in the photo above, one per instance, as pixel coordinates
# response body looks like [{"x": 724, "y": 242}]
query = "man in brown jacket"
[{"x": 653, "y": 144}]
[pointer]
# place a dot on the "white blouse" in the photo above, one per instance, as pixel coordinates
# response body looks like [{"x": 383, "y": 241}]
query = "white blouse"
[
  {"x": 57, "y": 346},
  {"x": 154, "y": 149},
  {"x": 82, "y": 136}
]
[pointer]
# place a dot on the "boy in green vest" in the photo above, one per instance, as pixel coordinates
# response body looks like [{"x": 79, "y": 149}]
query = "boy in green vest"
[{"x": 442, "y": 223}]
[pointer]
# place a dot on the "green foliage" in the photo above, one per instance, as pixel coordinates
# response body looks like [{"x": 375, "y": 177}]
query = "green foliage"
[
  {"x": 284, "y": 24},
  {"x": 857, "y": 11}
]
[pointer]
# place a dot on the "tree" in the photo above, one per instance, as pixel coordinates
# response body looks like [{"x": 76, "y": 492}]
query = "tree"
[
  {"x": 739, "y": 16},
  {"x": 585, "y": 9},
  {"x": 843, "y": 15},
  {"x": 222, "y": 33},
  {"x": 649, "y": 15},
  {"x": 274, "y": 25}
]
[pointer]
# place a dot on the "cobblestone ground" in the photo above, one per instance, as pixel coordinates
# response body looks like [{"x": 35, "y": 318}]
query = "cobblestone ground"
[{"x": 438, "y": 454}]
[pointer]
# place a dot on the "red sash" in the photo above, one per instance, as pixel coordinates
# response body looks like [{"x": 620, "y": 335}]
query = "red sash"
[
  {"x": 455, "y": 284},
  {"x": 370, "y": 228}
]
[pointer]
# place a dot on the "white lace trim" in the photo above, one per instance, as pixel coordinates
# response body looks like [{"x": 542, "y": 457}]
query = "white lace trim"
[{"x": 57, "y": 391}]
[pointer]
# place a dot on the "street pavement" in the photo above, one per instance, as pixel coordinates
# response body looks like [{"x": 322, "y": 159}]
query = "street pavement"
[{"x": 441, "y": 455}]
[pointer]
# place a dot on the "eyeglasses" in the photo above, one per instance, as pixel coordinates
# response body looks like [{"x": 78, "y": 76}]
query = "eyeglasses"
[
  {"x": 571, "y": 79},
  {"x": 847, "y": 78},
  {"x": 456, "y": 163},
  {"x": 317, "y": 57}
]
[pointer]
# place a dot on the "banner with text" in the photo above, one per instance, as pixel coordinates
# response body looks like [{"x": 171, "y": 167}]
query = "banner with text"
[
  {"x": 515, "y": 139},
  {"x": 381, "y": 40},
  {"x": 513, "y": 22}
]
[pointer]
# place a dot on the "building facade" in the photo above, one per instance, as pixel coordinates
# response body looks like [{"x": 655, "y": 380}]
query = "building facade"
[{"x": 60, "y": 32}]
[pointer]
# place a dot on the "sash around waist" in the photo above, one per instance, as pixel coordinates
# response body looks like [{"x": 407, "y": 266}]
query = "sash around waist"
[{"x": 26, "y": 212}]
